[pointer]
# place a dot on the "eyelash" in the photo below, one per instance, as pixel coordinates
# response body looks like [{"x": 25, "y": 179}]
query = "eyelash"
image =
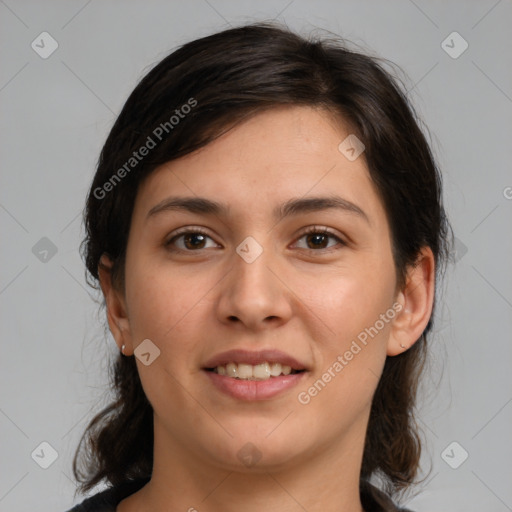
[
  {"x": 318, "y": 230},
  {"x": 312, "y": 230}
]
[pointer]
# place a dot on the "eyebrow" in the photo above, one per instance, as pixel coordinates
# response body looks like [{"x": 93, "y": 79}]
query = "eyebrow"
[{"x": 292, "y": 207}]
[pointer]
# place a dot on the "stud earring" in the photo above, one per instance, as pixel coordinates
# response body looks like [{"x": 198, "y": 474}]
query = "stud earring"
[
  {"x": 122, "y": 349},
  {"x": 402, "y": 345}
]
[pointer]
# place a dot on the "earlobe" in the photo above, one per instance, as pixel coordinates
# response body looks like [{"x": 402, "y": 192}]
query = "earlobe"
[
  {"x": 115, "y": 306},
  {"x": 417, "y": 301}
]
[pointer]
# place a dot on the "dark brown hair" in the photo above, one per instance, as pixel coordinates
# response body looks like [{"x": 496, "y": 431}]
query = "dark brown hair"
[{"x": 225, "y": 78}]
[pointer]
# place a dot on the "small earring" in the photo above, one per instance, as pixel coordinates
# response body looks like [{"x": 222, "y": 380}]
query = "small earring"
[
  {"x": 122, "y": 349},
  {"x": 402, "y": 345}
]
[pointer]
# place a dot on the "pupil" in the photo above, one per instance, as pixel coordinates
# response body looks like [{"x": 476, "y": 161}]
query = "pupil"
[
  {"x": 189, "y": 240},
  {"x": 318, "y": 240}
]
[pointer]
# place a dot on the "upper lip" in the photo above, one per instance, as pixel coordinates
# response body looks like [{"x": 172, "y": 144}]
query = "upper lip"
[{"x": 254, "y": 358}]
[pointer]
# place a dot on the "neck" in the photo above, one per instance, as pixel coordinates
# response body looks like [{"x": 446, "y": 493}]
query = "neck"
[{"x": 326, "y": 481}]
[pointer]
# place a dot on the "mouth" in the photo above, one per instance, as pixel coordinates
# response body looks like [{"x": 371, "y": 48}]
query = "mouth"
[
  {"x": 251, "y": 376},
  {"x": 262, "y": 371}
]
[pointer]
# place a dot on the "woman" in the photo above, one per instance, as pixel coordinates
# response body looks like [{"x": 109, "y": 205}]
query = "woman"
[{"x": 266, "y": 226}]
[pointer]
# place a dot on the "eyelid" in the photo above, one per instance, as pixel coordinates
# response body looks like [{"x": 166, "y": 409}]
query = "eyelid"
[
  {"x": 324, "y": 231},
  {"x": 184, "y": 231},
  {"x": 306, "y": 231},
  {"x": 188, "y": 229}
]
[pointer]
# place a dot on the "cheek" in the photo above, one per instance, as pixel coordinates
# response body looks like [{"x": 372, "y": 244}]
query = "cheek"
[
  {"x": 350, "y": 337},
  {"x": 347, "y": 303},
  {"x": 165, "y": 307},
  {"x": 151, "y": 297},
  {"x": 168, "y": 306},
  {"x": 350, "y": 355}
]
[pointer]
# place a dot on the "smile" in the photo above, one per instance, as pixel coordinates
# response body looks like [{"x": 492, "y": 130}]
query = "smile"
[
  {"x": 254, "y": 375},
  {"x": 263, "y": 371}
]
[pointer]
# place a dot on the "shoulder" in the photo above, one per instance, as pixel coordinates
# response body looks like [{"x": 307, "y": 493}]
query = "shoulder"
[
  {"x": 374, "y": 500},
  {"x": 107, "y": 500}
]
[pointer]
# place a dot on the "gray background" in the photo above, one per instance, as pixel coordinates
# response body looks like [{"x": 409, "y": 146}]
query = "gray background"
[{"x": 56, "y": 113}]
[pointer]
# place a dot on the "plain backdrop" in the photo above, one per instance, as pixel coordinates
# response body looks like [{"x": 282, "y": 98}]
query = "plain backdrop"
[{"x": 55, "y": 115}]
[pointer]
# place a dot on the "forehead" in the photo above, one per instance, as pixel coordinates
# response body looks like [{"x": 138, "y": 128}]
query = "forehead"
[{"x": 275, "y": 155}]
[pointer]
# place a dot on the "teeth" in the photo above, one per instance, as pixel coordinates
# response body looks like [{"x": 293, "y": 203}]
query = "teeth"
[
  {"x": 286, "y": 370},
  {"x": 261, "y": 371},
  {"x": 232, "y": 370},
  {"x": 275, "y": 369},
  {"x": 244, "y": 371}
]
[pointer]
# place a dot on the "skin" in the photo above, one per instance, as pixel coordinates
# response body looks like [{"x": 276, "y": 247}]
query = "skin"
[{"x": 309, "y": 297}]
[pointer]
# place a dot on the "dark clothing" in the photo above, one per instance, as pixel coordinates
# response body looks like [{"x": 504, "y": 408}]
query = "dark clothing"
[
  {"x": 107, "y": 500},
  {"x": 372, "y": 499}
]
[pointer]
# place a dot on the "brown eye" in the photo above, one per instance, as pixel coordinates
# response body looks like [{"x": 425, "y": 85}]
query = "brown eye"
[
  {"x": 316, "y": 238},
  {"x": 191, "y": 241},
  {"x": 194, "y": 241},
  {"x": 317, "y": 241}
]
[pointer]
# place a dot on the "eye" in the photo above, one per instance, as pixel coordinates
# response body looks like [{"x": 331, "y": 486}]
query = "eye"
[
  {"x": 313, "y": 238},
  {"x": 318, "y": 238},
  {"x": 191, "y": 240}
]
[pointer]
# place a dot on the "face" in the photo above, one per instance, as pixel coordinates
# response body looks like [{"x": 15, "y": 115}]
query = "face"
[{"x": 266, "y": 246}]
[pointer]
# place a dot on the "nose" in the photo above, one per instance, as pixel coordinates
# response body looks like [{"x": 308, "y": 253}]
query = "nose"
[{"x": 254, "y": 295}]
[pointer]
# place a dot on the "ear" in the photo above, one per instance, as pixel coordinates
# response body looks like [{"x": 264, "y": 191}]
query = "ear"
[
  {"x": 417, "y": 301},
  {"x": 116, "y": 306}
]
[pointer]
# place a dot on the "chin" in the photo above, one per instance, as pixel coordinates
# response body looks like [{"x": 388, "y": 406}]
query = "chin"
[{"x": 261, "y": 453}]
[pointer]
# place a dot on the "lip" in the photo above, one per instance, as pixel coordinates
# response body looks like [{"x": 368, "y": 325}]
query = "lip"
[
  {"x": 254, "y": 390},
  {"x": 254, "y": 358}
]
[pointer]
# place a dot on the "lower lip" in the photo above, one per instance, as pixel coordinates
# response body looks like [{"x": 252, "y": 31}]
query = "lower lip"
[{"x": 253, "y": 390}]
